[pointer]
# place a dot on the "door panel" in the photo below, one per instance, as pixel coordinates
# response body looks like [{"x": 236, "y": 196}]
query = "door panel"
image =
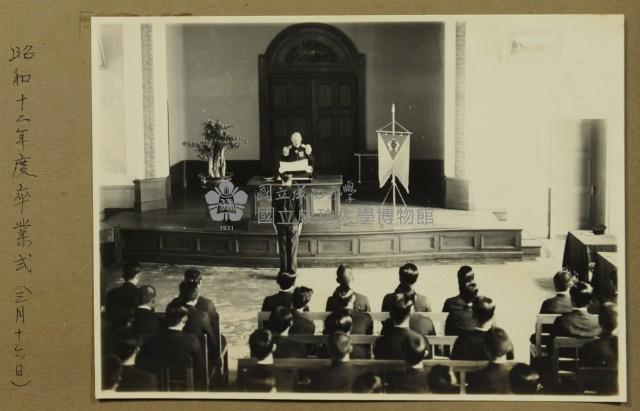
[{"x": 324, "y": 110}]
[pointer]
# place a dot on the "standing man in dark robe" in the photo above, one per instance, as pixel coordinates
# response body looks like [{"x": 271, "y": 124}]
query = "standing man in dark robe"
[{"x": 287, "y": 219}]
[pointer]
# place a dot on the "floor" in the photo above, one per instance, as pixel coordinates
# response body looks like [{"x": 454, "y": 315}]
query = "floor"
[{"x": 518, "y": 288}]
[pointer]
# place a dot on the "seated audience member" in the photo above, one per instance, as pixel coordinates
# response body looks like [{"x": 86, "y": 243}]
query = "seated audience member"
[
  {"x": 470, "y": 345},
  {"x": 133, "y": 378},
  {"x": 198, "y": 322},
  {"x": 461, "y": 321},
  {"x": 414, "y": 379},
  {"x": 368, "y": 383},
  {"x": 603, "y": 352},
  {"x": 578, "y": 322},
  {"x": 145, "y": 321},
  {"x": 280, "y": 322},
  {"x": 111, "y": 373},
  {"x": 456, "y": 303},
  {"x": 259, "y": 378},
  {"x": 283, "y": 297},
  {"x": 173, "y": 346},
  {"x": 561, "y": 302},
  {"x": 494, "y": 378},
  {"x": 407, "y": 275},
  {"x": 523, "y": 379},
  {"x": 389, "y": 345},
  {"x": 340, "y": 375},
  {"x": 362, "y": 324},
  {"x": 442, "y": 380},
  {"x": 204, "y": 304},
  {"x": 299, "y": 303},
  {"x": 344, "y": 277},
  {"x": 339, "y": 320},
  {"x": 122, "y": 301}
]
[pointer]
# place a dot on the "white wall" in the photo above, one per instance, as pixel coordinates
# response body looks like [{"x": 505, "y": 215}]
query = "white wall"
[{"x": 512, "y": 105}]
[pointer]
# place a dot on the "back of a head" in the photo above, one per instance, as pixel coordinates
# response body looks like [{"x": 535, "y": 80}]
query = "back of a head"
[
  {"x": 468, "y": 291},
  {"x": 111, "y": 372},
  {"x": 175, "y": 315},
  {"x": 524, "y": 379},
  {"x": 408, "y": 274},
  {"x": 191, "y": 275},
  {"x": 400, "y": 307},
  {"x": 339, "y": 345},
  {"x": 344, "y": 275},
  {"x": 441, "y": 379},
  {"x": 261, "y": 344},
  {"x": 414, "y": 349},
  {"x": 339, "y": 320},
  {"x": 188, "y": 291},
  {"x": 465, "y": 274},
  {"x": 343, "y": 296},
  {"x": 280, "y": 319},
  {"x": 562, "y": 280},
  {"x": 285, "y": 280},
  {"x": 147, "y": 294},
  {"x": 581, "y": 294},
  {"x": 127, "y": 345},
  {"x": 608, "y": 317},
  {"x": 497, "y": 343},
  {"x": 301, "y": 297},
  {"x": 483, "y": 309},
  {"x": 368, "y": 383},
  {"x": 130, "y": 270}
]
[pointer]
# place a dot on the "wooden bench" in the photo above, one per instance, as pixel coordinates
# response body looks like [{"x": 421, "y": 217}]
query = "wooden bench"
[
  {"x": 377, "y": 317},
  {"x": 439, "y": 343},
  {"x": 296, "y": 366},
  {"x": 176, "y": 376},
  {"x": 543, "y": 322}
]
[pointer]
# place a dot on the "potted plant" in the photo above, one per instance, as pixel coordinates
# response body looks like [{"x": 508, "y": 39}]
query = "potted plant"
[{"x": 216, "y": 139}]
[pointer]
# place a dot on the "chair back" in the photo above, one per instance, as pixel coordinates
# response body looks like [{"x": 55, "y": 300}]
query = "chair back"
[
  {"x": 564, "y": 357},
  {"x": 438, "y": 319}
]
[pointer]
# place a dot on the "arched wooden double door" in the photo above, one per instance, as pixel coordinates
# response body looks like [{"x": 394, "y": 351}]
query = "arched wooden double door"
[{"x": 312, "y": 81}]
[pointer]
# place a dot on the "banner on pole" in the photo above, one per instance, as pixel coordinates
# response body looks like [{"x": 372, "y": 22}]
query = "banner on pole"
[
  {"x": 393, "y": 155},
  {"x": 393, "y": 152}
]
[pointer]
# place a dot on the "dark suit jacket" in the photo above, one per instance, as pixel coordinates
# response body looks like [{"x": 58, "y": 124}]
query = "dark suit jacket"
[
  {"x": 470, "y": 346},
  {"x": 286, "y": 348},
  {"x": 362, "y": 324},
  {"x": 389, "y": 345},
  {"x": 338, "y": 377},
  {"x": 259, "y": 378},
  {"x": 459, "y": 322},
  {"x": 422, "y": 325},
  {"x": 602, "y": 352},
  {"x": 301, "y": 325},
  {"x": 361, "y": 303},
  {"x": 577, "y": 324},
  {"x": 198, "y": 322},
  {"x": 559, "y": 304},
  {"x": 146, "y": 323},
  {"x": 411, "y": 381},
  {"x": 171, "y": 346},
  {"x": 122, "y": 302},
  {"x": 136, "y": 379},
  {"x": 286, "y": 207},
  {"x": 421, "y": 304},
  {"x": 279, "y": 299},
  {"x": 297, "y": 153},
  {"x": 493, "y": 379},
  {"x": 452, "y": 304}
]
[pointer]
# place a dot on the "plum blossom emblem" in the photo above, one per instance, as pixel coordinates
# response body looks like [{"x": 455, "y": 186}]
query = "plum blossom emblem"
[{"x": 226, "y": 202}]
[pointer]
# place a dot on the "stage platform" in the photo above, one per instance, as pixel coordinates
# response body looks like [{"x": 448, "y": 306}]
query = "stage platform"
[{"x": 184, "y": 234}]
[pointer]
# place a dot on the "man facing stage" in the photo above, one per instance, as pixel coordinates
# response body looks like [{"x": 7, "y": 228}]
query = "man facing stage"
[{"x": 287, "y": 210}]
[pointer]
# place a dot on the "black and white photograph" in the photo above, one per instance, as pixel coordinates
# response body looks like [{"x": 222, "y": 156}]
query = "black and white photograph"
[{"x": 369, "y": 208}]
